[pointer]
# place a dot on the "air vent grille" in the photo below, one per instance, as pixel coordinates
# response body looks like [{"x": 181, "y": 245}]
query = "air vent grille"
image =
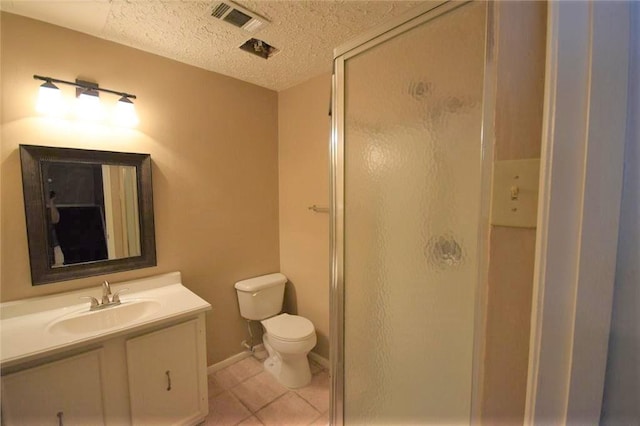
[
  {"x": 238, "y": 16},
  {"x": 219, "y": 10}
]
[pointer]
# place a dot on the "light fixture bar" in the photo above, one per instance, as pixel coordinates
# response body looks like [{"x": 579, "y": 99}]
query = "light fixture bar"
[{"x": 83, "y": 85}]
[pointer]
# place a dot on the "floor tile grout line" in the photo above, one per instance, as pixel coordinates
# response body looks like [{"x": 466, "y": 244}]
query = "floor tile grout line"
[
  {"x": 282, "y": 396},
  {"x": 237, "y": 400},
  {"x": 250, "y": 415},
  {"x": 249, "y": 408},
  {"x": 241, "y": 401},
  {"x": 302, "y": 396},
  {"x": 239, "y": 382},
  {"x": 254, "y": 413},
  {"x": 279, "y": 397},
  {"x": 308, "y": 402},
  {"x": 316, "y": 418}
]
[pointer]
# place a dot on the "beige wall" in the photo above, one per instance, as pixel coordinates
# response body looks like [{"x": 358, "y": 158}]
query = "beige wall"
[
  {"x": 520, "y": 39},
  {"x": 1, "y": 103},
  {"x": 304, "y": 126},
  {"x": 213, "y": 143}
]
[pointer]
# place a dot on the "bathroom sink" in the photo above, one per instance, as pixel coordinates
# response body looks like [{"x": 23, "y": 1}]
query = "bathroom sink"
[
  {"x": 107, "y": 318},
  {"x": 46, "y": 325}
]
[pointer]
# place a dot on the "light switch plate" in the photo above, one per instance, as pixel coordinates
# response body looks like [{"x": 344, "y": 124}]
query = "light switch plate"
[{"x": 515, "y": 193}]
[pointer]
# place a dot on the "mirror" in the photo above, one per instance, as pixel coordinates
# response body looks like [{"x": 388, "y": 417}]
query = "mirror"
[
  {"x": 91, "y": 212},
  {"x": 88, "y": 212}
]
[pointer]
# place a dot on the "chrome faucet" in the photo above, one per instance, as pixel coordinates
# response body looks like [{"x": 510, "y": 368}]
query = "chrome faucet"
[
  {"x": 107, "y": 299},
  {"x": 106, "y": 292}
]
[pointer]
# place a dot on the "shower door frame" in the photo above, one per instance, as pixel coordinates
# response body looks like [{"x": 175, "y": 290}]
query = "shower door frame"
[{"x": 414, "y": 18}]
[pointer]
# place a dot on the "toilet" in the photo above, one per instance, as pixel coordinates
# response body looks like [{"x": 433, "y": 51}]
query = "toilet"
[{"x": 287, "y": 338}]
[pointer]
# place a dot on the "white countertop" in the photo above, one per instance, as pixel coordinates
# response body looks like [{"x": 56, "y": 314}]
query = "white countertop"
[{"x": 24, "y": 324}]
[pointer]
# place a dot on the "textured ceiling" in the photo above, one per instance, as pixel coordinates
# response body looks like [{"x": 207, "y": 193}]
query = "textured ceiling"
[{"x": 305, "y": 31}]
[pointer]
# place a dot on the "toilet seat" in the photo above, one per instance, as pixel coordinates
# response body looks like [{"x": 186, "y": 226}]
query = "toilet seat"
[{"x": 289, "y": 328}]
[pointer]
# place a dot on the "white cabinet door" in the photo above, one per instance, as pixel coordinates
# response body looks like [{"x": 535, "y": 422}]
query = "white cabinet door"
[
  {"x": 164, "y": 376},
  {"x": 65, "y": 392}
]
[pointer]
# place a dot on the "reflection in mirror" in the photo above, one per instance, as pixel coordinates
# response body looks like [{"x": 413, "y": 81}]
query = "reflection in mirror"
[
  {"x": 88, "y": 212},
  {"x": 92, "y": 212}
]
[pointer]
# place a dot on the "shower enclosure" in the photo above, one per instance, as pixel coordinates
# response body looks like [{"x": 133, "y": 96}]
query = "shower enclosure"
[{"x": 410, "y": 167}]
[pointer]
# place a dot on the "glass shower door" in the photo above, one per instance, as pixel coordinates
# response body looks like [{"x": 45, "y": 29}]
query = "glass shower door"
[{"x": 408, "y": 198}]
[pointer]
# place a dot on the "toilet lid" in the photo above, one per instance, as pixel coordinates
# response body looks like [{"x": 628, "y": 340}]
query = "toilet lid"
[{"x": 289, "y": 327}]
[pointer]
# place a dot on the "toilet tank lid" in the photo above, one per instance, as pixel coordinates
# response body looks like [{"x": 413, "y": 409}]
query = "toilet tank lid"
[{"x": 261, "y": 282}]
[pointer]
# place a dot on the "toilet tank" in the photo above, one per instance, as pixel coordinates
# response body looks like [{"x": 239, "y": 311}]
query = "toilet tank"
[{"x": 261, "y": 297}]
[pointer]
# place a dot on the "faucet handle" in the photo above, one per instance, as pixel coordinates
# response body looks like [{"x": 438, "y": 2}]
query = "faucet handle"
[
  {"x": 93, "y": 300},
  {"x": 116, "y": 296}
]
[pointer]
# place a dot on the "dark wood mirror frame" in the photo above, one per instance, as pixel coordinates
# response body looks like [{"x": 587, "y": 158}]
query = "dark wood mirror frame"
[{"x": 31, "y": 157}]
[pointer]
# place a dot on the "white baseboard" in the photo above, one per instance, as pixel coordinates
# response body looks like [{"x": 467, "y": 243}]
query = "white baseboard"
[
  {"x": 319, "y": 359},
  {"x": 246, "y": 354},
  {"x": 233, "y": 359},
  {"x": 227, "y": 362}
]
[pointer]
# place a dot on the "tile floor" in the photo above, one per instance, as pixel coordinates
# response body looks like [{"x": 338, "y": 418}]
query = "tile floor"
[{"x": 245, "y": 394}]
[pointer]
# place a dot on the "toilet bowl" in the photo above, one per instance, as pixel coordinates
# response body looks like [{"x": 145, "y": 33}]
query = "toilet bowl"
[{"x": 288, "y": 339}]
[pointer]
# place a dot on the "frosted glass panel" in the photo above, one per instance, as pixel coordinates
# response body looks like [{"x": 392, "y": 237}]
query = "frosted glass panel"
[{"x": 412, "y": 155}]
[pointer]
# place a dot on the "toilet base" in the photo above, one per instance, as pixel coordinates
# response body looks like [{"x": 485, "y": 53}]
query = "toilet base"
[{"x": 290, "y": 370}]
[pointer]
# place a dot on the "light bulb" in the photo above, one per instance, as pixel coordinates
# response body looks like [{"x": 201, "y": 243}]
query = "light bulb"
[
  {"x": 88, "y": 106},
  {"x": 50, "y": 100},
  {"x": 125, "y": 113}
]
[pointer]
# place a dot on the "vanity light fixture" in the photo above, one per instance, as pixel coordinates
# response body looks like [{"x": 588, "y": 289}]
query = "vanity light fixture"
[
  {"x": 88, "y": 106},
  {"x": 50, "y": 100},
  {"x": 125, "y": 113}
]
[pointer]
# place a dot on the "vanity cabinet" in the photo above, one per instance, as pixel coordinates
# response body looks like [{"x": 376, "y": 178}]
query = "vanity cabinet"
[
  {"x": 156, "y": 375},
  {"x": 165, "y": 386},
  {"x": 141, "y": 362},
  {"x": 64, "y": 392}
]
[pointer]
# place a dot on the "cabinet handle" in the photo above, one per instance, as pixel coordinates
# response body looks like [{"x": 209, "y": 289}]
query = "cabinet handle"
[
  {"x": 60, "y": 414},
  {"x": 168, "y": 373}
]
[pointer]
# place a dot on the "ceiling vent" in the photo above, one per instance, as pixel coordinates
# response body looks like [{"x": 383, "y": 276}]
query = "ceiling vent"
[{"x": 238, "y": 16}]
